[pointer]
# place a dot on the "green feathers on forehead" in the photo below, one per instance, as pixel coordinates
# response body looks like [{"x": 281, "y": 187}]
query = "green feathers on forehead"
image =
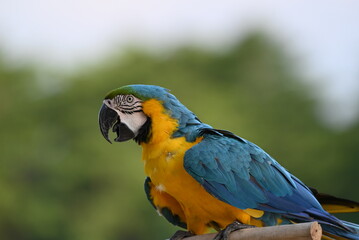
[{"x": 143, "y": 92}]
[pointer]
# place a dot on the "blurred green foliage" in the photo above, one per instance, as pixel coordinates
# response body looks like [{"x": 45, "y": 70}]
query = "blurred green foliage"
[{"x": 59, "y": 179}]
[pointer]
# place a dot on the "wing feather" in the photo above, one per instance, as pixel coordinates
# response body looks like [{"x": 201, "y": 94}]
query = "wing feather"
[{"x": 240, "y": 173}]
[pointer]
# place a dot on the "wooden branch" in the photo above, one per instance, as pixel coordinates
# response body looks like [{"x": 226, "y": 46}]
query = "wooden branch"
[{"x": 301, "y": 231}]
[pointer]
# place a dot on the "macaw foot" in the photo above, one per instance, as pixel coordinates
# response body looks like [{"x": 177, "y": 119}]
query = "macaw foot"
[
  {"x": 224, "y": 234},
  {"x": 179, "y": 235}
]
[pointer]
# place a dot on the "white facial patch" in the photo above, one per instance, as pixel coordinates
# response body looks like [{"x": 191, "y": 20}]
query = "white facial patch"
[{"x": 134, "y": 121}]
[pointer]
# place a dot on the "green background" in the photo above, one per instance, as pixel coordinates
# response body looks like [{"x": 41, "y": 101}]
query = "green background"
[{"x": 59, "y": 179}]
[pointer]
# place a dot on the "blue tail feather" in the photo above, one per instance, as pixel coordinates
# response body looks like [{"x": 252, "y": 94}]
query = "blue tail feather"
[
  {"x": 335, "y": 226},
  {"x": 353, "y": 232}
]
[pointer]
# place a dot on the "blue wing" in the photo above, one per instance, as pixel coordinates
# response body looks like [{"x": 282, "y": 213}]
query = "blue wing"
[{"x": 241, "y": 174}]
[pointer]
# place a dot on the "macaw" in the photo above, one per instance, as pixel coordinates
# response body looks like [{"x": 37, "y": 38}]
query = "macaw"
[{"x": 200, "y": 178}]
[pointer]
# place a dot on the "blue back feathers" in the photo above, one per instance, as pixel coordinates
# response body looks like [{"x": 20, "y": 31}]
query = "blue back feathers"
[{"x": 241, "y": 174}]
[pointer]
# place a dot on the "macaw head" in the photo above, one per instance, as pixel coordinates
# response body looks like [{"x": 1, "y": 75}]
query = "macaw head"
[{"x": 127, "y": 111}]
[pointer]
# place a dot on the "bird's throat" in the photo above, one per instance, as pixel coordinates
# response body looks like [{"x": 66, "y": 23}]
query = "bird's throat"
[{"x": 162, "y": 124}]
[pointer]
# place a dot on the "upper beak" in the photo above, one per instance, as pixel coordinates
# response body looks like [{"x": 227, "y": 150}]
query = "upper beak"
[{"x": 106, "y": 119}]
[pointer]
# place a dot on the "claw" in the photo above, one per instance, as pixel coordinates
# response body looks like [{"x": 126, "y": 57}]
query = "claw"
[
  {"x": 224, "y": 234},
  {"x": 179, "y": 235}
]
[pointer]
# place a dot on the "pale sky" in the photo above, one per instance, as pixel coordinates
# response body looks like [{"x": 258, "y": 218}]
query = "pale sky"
[{"x": 322, "y": 34}]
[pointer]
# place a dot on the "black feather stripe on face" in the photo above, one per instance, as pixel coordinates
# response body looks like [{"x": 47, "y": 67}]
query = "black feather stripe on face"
[
  {"x": 127, "y": 104},
  {"x": 144, "y": 133}
]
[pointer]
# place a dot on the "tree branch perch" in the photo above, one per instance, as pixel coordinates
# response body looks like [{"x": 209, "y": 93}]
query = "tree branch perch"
[{"x": 301, "y": 231}]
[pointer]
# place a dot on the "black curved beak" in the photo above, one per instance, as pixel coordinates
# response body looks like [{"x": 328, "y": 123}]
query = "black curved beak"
[{"x": 106, "y": 119}]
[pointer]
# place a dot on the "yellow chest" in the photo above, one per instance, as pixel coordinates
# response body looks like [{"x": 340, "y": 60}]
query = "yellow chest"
[
  {"x": 163, "y": 163},
  {"x": 163, "y": 155}
]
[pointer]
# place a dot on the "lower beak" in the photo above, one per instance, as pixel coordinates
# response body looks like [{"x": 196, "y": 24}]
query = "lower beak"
[{"x": 106, "y": 119}]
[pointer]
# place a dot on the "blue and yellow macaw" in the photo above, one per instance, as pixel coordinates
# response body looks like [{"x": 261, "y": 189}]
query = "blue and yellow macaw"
[{"x": 199, "y": 177}]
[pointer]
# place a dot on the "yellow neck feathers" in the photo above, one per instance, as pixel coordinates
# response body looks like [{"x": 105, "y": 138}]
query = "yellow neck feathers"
[{"x": 163, "y": 125}]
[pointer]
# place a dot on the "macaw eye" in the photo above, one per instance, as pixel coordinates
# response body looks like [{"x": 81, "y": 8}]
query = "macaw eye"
[{"x": 129, "y": 99}]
